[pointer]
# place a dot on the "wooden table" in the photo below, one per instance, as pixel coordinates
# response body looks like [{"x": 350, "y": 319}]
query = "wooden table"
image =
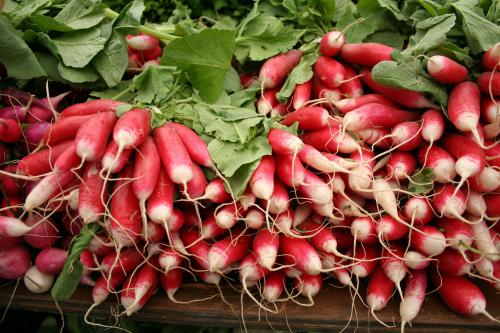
[{"x": 331, "y": 312}]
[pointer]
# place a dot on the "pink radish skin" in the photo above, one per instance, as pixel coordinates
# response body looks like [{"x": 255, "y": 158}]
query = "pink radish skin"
[
  {"x": 41, "y": 162},
  {"x": 216, "y": 192},
  {"x": 262, "y": 180},
  {"x": 38, "y": 114},
  {"x": 176, "y": 221},
  {"x": 275, "y": 69},
  {"x": 431, "y": 243},
  {"x": 92, "y": 137},
  {"x": 250, "y": 270},
  {"x": 169, "y": 259},
  {"x": 267, "y": 101},
  {"x": 175, "y": 159},
  {"x": 366, "y": 54},
  {"x": 418, "y": 210},
  {"x": 403, "y": 97},
  {"x": 448, "y": 203},
  {"x": 352, "y": 87},
  {"x": 374, "y": 114},
  {"x": 300, "y": 253},
  {"x": 487, "y": 88},
  {"x": 362, "y": 175},
  {"x": 363, "y": 230},
  {"x": 390, "y": 229},
  {"x": 284, "y": 221},
  {"x": 308, "y": 118},
  {"x": 146, "y": 170},
  {"x": 228, "y": 215},
  {"x": 321, "y": 238},
  {"x": 35, "y": 132},
  {"x": 265, "y": 247},
  {"x": 132, "y": 128},
  {"x": 68, "y": 160},
  {"x": 228, "y": 251},
  {"x": 445, "y": 70},
  {"x": 255, "y": 218},
  {"x": 109, "y": 160},
  {"x": 301, "y": 94},
  {"x": 458, "y": 234},
  {"x": 153, "y": 232},
  {"x": 14, "y": 112},
  {"x": 105, "y": 285},
  {"x": 380, "y": 137},
  {"x": 47, "y": 187},
  {"x": 210, "y": 229},
  {"x": 90, "y": 203},
  {"x": 331, "y": 43},
  {"x": 440, "y": 161},
  {"x": 51, "y": 260},
  {"x": 127, "y": 261},
  {"x": 470, "y": 157},
  {"x": 475, "y": 204},
  {"x": 329, "y": 72},
  {"x": 416, "y": 260},
  {"x": 468, "y": 302},
  {"x": 7, "y": 242},
  {"x": 289, "y": 170},
  {"x": 320, "y": 91},
  {"x": 433, "y": 125},
  {"x": 14, "y": 262},
  {"x": 195, "y": 188},
  {"x": 491, "y": 58},
  {"x": 331, "y": 140},
  {"x": 147, "y": 281},
  {"x": 414, "y": 295},
  {"x": 452, "y": 262},
  {"x": 488, "y": 180},
  {"x": 379, "y": 290},
  {"x": 315, "y": 189},
  {"x": 401, "y": 165},
  {"x": 247, "y": 200},
  {"x": 464, "y": 106},
  {"x": 198, "y": 249},
  {"x": 279, "y": 201},
  {"x": 349, "y": 104},
  {"x": 406, "y": 135},
  {"x": 195, "y": 146},
  {"x": 161, "y": 202},
  {"x": 283, "y": 142},
  {"x": 492, "y": 205},
  {"x": 10, "y": 131},
  {"x": 490, "y": 111},
  {"x": 273, "y": 286},
  {"x": 366, "y": 260},
  {"x": 309, "y": 285},
  {"x": 125, "y": 225},
  {"x": 100, "y": 245}
]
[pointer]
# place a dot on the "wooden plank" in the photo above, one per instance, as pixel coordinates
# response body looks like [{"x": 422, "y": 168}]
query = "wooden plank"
[{"x": 332, "y": 311}]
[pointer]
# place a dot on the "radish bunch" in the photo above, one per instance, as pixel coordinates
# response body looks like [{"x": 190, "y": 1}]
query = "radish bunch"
[{"x": 376, "y": 185}]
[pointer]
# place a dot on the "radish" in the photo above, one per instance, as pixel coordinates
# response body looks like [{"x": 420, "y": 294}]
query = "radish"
[
  {"x": 388, "y": 228},
  {"x": 379, "y": 137},
  {"x": 349, "y": 104},
  {"x": 267, "y": 101},
  {"x": 143, "y": 42},
  {"x": 290, "y": 170},
  {"x": 488, "y": 180},
  {"x": 43, "y": 232},
  {"x": 393, "y": 265},
  {"x": 315, "y": 189},
  {"x": 408, "y": 98},
  {"x": 384, "y": 197},
  {"x": 10, "y": 130},
  {"x": 227, "y": 217},
  {"x": 301, "y": 254},
  {"x": 321, "y": 238},
  {"x": 64, "y": 129},
  {"x": 329, "y": 72},
  {"x": 195, "y": 146},
  {"x": 67, "y": 161},
  {"x": 105, "y": 285},
  {"x": 331, "y": 43},
  {"x": 366, "y": 54},
  {"x": 439, "y": 161},
  {"x": 228, "y": 251},
  {"x": 14, "y": 112},
  {"x": 301, "y": 94},
  {"x": 92, "y": 194},
  {"x": 308, "y": 118},
  {"x": 322, "y": 92},
  {"x": 415, "y": 291},
  {"x": 38, "y": 114},
  {"x": 331, "y": 140},
  {"x": 279, "y": 200},
  {"x": 198, "y": 249},
  {"x": 416, "y": 260},
  {"x": 406, "y": 135},
  {"x": 153, "y": 232},
  {"x": 41, "y": 162},
  {"x": 175, "y": 159},
  {"x": 365, "y": 262},
  {"x": 429, "y": 241},
  {"x": 51, "y": 260},
  {"x": 125, "y": 224},
  {"x": 262, "y": 180},
  {"x": 468, "y": 302},
  {"x": 379, "y": 291},
  {"x": 363, "y": 230},
  {"x": 255, "y": 218},
  {"x": 111, "y": 161},
  {"x": 449, "y": 201},
  {"x": 491, "y": 58},
  {"x": 492, "y": 205},
  {"x": 452, "y": 262},
  {"x": 483, "y": 241},
  {"x": 146, "y": 282},
  {"x": 90, "y": 107},
  {"x": 352, "y": 86},
  {"x": 169, "y": 259},
  {"x": 375, "y": 114},
  {"x": 401, "y": 165},
  {"x": 362, "y": 175},
  {"x": 275, "y": 69},
  {"x": 14, "y": 262},
  {"x": 216, "y": 192},
  {"x": 445, "y": 70},
  {"x": 489, "y": 83},
  {"x": 7, "y": 242},
  {"x": 475, "y": 204},
  {"x": 210, "y": 229},
  {"x": 273, "y": 286},
  {"x": 161, "y": 202},
  {"x": 47, "y": 187},
  {"x": 490, "y": 110},
  {"x": 458, "y": 234},
  {"x": 265, "y": 247},
  {"x": 433, "y": 125},
  {"x": 124, "y": 262},
  {"x": 92, "y": 137},
  {"x": 418, "y": 210},
  {"x": 12, "y": 227},
  {"x": 38, "y": 282},
  {"x": 309, "y": 286},
  {"x": 283, "y": 142},
  {"x": 175, "y": 222},
  {"x": 101, "y": 245},
  {"x": 464, "y": 106},
  {"x": 314, "y": 158}
]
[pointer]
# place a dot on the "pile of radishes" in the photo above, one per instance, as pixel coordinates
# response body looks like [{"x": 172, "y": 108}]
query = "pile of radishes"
[
  {"x": 143, "y": 51},
  {"x": 331, "y": 201}
]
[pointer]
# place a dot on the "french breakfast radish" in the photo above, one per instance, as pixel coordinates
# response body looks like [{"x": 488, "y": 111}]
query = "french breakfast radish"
[
  {"x": 92, "y": 137},
  {"x": 445, "y": 70},
  {"x": 275, "y": 69},
  {"x": 366, "y": 54}
]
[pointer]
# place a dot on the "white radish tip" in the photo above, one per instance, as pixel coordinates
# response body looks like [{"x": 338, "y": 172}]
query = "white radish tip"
[
  {"x": 330, "y": 246},
  {"x": 182, "y": 174},
  {"x": 216, "y": 261},
  {"x": 271, "y": 294},
  {"x": 254, "y": 219},
  {"x": 84, "y": 150},
  {"x": 359, "y": 271},
  {"x": 435, "y": 64},
  {"x": 434, "y": 244},
  {"x": 263, "y": 106},
  {"x": 375, "y": 303},
  {"x": 262, "y": 189},
  {"x": 267, "y": 256},
  {"x": 336, "y": 39},
  {"x": 225, "y": 220},
  {"x": 87, "y": 214},
  {"x": 313, "y": 265},
  {"x": 36, "y": 281},
  {"x": 160, "y": 213}
]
